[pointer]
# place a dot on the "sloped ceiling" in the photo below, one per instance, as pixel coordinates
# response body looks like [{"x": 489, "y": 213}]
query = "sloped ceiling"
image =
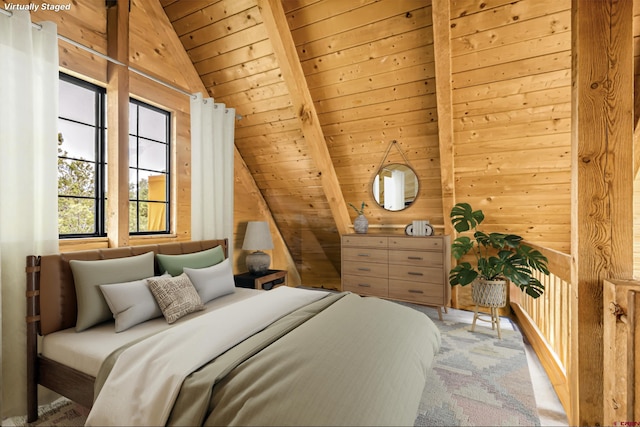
[{"x": 323, "y": 88}]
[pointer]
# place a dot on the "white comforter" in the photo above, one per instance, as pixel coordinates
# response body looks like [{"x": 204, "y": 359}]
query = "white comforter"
[{"x": 146, "y": 378}]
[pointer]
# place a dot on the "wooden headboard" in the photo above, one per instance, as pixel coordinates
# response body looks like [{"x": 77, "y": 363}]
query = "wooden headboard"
[{"x": 51, "y": 293}]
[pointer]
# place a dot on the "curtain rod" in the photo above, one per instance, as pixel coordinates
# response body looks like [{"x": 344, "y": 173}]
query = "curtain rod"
[{"x": 108, "y": 58}]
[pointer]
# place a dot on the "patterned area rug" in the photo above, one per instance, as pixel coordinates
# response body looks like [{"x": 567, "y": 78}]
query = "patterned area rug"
[{"x": 477, "y": 379}]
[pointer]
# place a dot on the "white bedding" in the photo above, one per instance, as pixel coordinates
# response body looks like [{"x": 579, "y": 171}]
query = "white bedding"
[
  {"x": 145, "y": 380},
  {"x": 86, "y": 350}
]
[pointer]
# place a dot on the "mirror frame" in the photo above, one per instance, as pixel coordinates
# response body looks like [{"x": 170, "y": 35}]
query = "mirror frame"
[{"x": 376, "y": 180}]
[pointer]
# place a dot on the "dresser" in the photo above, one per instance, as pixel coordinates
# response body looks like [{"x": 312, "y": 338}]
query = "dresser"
[{"x": 404, "y": 268}]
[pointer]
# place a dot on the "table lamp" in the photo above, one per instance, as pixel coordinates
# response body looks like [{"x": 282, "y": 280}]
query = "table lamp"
[{"x": 256, "y": 238}]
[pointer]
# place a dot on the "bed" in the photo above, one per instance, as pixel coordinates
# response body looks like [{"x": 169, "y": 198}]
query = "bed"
[{"x": 245, "y": 357}]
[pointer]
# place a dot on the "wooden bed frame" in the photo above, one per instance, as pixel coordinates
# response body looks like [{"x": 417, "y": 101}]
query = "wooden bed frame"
[{"x": 51, "y": 307}]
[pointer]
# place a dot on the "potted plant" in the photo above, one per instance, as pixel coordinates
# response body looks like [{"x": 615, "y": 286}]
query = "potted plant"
[
  {"x": 360, "y": 224},
  {"x": 498, "y": 257}
]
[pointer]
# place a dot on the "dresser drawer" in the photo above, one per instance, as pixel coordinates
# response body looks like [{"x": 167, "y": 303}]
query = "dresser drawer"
[
  {"x": 365, "y": 241},
  {"x": 416, "y": 274},
  {"x": 365, "y": 255},
  {"x": 417, "y": 258},
  {"x": 413, "y": 291},
  {"x": 427, "y": 243},
  {"x": 375, "y": 286},
  {"x": 373, "y": 269}
]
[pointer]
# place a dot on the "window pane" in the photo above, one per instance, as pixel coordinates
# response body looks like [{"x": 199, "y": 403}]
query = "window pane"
[
  {"x": 156, "y": 218},
  {"x": 133, "y": 184},
  {"x": 153, "y": 124},
  {"x": 153, "y": 155},
  {"x": 78, "y": 140},
  {"x": 133, "y": 152},
  {"x": 77, "y": 103},
  {"x": 157, "y": 187},
  {"x": 133, "y": 118},
  {"x": 76, "y": 216},
  {"x": 76, "y": 178}
]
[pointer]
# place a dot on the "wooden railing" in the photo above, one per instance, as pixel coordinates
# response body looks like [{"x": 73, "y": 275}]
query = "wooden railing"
[{"x": 546, "y": 320}]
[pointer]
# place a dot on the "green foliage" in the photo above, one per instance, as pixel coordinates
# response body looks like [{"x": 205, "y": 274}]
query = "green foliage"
[
  {"x": 498, "y": 255},
  {"x": 359, "y": 211}
]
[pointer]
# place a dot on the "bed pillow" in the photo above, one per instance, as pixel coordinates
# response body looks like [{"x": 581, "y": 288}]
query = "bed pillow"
[
  {"x": 89, "y": 275},
  {"x": 212, "y": 282},
  {"x": 131, "y": 303},
  {"x": 174, "y": 264},
  {"x": 176, "y": 296}
]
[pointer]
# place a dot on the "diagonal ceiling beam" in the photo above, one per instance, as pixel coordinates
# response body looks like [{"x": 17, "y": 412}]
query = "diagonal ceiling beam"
[
  {"x": 285, "y": 51},
  {"x": 155, "y": 12}
]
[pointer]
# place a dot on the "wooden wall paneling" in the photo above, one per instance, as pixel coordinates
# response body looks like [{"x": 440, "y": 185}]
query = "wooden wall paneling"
[
  {"x": 117, "y": 214},
  {"x": 284, "y": 49},
  {"x": 602, "y": 186}
]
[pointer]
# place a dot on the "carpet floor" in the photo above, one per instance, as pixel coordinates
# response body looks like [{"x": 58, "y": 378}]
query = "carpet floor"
[{"x": 476, "y": 380}]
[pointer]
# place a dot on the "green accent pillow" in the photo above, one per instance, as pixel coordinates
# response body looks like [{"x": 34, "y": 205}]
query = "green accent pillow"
[
  {"x": 89, "y": 275},
  {"x": 175, "y": 264}
]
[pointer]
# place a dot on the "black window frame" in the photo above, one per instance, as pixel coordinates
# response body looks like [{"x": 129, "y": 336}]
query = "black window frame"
[
  {"x": 100, "y": 147},
  {"x": 167, "y": 202},
  {"x": 100, "y": 141}
]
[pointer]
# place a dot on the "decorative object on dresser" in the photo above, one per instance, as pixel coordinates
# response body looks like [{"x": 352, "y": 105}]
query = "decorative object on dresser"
[
  {"x": 398, "y": 267},
  {"x": 419, "y": 228},
  {"x": 272, "y": 279},
  {"x": 256, "y": 238},
  {"x": 498, "y": 257},
  {"x": 361, "y": 223}
]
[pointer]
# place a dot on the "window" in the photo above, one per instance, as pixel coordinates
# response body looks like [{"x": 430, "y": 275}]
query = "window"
[
  {"x": 82, "y": 163},
  {"x": 81, "y": 158},
  {"x": 148, "y": 168}
]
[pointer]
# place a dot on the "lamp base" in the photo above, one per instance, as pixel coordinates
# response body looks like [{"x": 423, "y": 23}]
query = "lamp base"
[{"x": 258, "y": 263}]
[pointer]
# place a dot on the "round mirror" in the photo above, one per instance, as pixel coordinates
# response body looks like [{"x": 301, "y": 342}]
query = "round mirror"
[{"x": 395, "y": 187}]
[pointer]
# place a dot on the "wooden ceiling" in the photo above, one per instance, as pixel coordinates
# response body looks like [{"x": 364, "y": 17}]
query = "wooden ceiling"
[{"x": 322, "y": 88}]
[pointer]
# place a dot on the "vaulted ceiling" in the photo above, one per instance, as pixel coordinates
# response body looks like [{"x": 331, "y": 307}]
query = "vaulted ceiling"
[{"x": 322, "y": 89}]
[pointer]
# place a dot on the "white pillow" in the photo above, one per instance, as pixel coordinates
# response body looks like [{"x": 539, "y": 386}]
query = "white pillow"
[
  {"x": 131, "y": 303},
  {"x": 212, "y": 282}
]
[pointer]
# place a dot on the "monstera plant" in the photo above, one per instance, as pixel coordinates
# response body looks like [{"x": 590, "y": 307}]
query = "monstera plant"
[{"x": 498, "y": 256}]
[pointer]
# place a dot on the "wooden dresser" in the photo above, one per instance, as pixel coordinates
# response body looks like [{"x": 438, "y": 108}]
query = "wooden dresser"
[{"x": 404, "y": 268}]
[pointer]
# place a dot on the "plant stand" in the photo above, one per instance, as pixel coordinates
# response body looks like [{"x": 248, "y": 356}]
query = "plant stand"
[{"x": 491, "y": 294}]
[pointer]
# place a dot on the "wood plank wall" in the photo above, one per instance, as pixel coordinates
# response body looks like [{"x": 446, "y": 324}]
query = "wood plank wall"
[
  {"x": 511, "y": 67},
  {"x": 511, "y": 91}
]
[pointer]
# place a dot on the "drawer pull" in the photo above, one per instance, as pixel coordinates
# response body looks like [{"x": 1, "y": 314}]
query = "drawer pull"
[
  {"x": 418, "y": 258},
  {"x": 413, "y": 273},
  {"x": 364, "y": 255},
  {"x": 364, "y": 285},
  {"x": 363, "y": 269},
  {"x": 415, "y": 291}
]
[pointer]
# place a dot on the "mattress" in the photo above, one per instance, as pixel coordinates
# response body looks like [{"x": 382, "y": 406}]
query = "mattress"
[{"x": 85, "y": 351}]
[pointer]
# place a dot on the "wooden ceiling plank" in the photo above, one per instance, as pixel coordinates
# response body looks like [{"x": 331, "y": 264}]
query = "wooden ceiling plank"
[{"x": 276, "y": 25}]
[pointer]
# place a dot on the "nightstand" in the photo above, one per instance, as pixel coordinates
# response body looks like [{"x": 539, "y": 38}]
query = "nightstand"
[{"x": 272, "y": 279}]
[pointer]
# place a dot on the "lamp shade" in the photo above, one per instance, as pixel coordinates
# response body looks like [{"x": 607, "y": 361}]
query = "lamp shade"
[{"x": 257, "y": 237}]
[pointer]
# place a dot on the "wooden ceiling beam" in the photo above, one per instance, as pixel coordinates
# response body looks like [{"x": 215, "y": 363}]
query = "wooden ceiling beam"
[
  {"x": 275, "y": 23},
  {"x": 156, "y": 13},
  {"x": 118, "y": 119},
  {"x": 444, "y": 102}
]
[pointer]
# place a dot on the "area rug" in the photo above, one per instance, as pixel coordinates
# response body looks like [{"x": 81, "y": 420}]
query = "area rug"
[{"x": 477, "y": 379}]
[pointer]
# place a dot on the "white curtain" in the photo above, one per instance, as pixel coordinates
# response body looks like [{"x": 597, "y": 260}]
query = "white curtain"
[
  {"x": 212, "y": 154},
  {"x": 28, "y": 180}
]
